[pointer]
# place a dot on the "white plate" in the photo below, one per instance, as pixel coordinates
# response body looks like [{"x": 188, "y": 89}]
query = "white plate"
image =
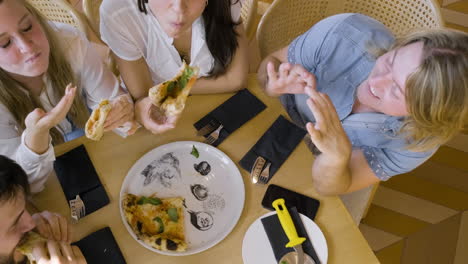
[
  {"x": 256, "y": 247},
  {"x": 174, "y": 175}
]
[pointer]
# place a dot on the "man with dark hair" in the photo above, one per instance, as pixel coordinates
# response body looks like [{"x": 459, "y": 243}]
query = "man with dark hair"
[{"x": 16, "y": 221}]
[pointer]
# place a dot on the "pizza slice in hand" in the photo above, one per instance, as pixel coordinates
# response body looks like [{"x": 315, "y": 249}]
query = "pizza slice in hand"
[{"x": 170, "y": 96}]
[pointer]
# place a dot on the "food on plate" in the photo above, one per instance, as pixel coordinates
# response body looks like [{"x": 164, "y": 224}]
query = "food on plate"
[
  {"x": 170, "y": 96},
  {"x": 158, "y": 222},
  {"x": 27, "y": 244},
  {"x": 94, "y": 128}
]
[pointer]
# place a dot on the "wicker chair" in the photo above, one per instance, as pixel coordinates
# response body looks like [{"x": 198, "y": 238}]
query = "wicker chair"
[
  {"x": 286, "y": 19},
  {"x": 248, "y": 15},
  {"x": 59, "y": 11}
]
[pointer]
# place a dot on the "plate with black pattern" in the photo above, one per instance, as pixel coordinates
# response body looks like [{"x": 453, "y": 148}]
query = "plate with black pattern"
[{"x": 209, "y": 181}]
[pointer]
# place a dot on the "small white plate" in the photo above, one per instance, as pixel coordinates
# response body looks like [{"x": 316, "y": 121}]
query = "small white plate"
[
  {"x": 169, "y": 170},
  {"x": 256, "y": 246}
]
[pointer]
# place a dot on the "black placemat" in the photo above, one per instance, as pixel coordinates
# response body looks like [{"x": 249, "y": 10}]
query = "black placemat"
[
  {"x": 233, "y": 113},
  {"x": 278, "y": 238},
  {"x": 276, "y": 144},
  {"x": 100, "y": 247},
  {"x": 77, "y": 176}
]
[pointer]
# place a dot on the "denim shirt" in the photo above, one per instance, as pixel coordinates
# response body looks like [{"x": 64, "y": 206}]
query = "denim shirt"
[{"x": 335, "y": 50}]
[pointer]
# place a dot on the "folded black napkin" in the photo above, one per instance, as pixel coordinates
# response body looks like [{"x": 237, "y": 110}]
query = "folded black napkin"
[
  {"x": 77, "y": 176},
  {"x": 233, "y": 113},
  {"x": 275, "y": 145},
  {"x": 101, "y": 247},
  {"x": 278, "y": 238}
]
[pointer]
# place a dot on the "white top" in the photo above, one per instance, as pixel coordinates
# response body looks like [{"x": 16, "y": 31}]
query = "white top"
[
  {"x": 97, "y": 83},
  {"x": 131, "y": 35}
]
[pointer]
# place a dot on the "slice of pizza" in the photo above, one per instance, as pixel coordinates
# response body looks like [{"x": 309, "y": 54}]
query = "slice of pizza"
[
  {"x": 27, "y": 244},
  {"x": 158, "y": 222},
  {"x": 94, "y": 128},
  {"x": 170, "y": 96}
]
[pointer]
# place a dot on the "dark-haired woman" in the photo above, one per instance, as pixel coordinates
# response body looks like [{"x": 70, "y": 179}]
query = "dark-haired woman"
[{"x": 151, "y": 38}]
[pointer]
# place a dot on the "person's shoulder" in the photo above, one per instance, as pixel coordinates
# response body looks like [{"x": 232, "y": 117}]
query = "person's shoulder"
[
  {"x": 112, "y": 7},
  {"x": 358, "y": 28}
]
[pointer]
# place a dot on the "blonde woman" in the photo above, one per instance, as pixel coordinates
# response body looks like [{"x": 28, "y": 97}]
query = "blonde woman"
[
  {"x": 37, "y": 62},
  {"x": 370, "y": 117}
]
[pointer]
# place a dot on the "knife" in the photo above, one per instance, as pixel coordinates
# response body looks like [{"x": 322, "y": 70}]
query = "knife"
[{"x": 288, "y": 226}]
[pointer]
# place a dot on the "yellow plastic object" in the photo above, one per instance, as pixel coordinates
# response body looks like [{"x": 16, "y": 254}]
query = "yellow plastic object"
[{"x": 287, "y": 223}]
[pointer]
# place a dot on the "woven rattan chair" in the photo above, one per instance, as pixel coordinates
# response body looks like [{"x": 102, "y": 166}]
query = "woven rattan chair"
[
  {"x": 248, "y": 15},
  {"x": 286, "y": 19},
  {"x": 59, "y": 11}
]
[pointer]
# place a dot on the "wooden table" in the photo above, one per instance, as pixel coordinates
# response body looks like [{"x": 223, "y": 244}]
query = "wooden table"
[{"x": 114, "y": 156}]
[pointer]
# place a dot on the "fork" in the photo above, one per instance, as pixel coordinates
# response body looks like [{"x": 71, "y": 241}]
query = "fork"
[
  {"x": 265, "y": 175},
  {"x": 213, "y": 136},
  {"x": 208, "y": 128},
  {"x": 78, "y": 209}
]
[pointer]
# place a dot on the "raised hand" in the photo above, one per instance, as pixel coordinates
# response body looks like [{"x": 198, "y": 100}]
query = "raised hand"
[
  {"x": 327, "y": 133},
  {"x": 152, "y": 118},
  {"x": 40, "y": 121},
  {"x": 289, "y": 79}
]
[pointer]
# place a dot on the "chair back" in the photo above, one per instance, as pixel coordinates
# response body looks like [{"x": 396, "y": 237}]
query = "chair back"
[
  {"x": 248, "y": 15},
  {"x": 286, "y": 19},
  {"x": 59, "y": 11}
]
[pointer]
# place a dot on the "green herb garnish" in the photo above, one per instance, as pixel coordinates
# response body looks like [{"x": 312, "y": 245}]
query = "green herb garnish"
[
  {"x": 160, "y": 223},
  {"x": 195, "y": 152},
  {"x": 150, "y": 200},
  {"x": 173, "y": 215},
  {"x": 284, "y": 262}
]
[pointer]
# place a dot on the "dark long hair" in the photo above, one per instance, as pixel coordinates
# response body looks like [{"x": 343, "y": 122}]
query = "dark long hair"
[
  {"x": 221, "y": 36},
  {"x": 13, "y": 179}
]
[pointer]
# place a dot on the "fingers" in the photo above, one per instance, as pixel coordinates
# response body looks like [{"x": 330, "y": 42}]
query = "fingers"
[
  {"x": 78, "y": 255},
  {"x": 40, "y": 252},
  {"x": 65, "y": 103},
  {"x": 284, "y": 69},
  {"x": 121, "y": 112},
  {"x": 271, "y": 72},
  {"x": 67, "y": 251},
  {"x": 53, "y": 226}
]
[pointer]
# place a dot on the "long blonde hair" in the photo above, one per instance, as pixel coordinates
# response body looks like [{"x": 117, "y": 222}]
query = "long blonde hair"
[
  {"x": 437, "y": 92},
  {"x": 21, "y": 103}
]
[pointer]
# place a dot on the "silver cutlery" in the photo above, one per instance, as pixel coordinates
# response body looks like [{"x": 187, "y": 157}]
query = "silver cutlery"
[
  {"x": 265, "y": 174},
  {"x": 213, "y": 136},
  {"x": 78, "y": 209},
  {"x": 208, "y": 128},
  {"x": 257, "y": 169}
]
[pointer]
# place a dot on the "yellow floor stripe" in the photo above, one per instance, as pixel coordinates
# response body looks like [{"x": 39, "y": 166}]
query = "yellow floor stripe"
[
  {"x": 411, "y": 206},
  {"x": 378, "y": 239},
  {"x": 451, "y": 157},
  {"x": 452, "y": 177},
  {"x": 391, "y": 254},
  {"x": 460, "y": 6},
  {"x": 436, "y": 193},
  {"x": 392, "y": 222}
]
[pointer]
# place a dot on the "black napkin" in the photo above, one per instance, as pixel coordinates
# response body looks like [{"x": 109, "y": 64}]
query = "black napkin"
[
  {"x": 101, "y": 247},
  {"x": 275, "y": 145},
  {"x": 278, "y": 238},
  {"x": 233, "y": 113},
  {"x": 77, "y": 175}
]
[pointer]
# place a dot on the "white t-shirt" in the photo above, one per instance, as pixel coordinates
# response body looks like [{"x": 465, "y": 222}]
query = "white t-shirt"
[
  {"x": 132, "y": 35},
  {"x": 97, "y": 83}
]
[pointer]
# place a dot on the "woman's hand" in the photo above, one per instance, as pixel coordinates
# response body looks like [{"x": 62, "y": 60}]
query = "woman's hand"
[
  {"x": 152, "y": 118},
  {"x": 39, "y": 121},
  {"x": 327, "y": 133},
  {"x": 290, "y": 79},
  {"x": 53, "y": 252},
  {"x": 53, "y": 226},
  {"x": 122, "y": 111}
]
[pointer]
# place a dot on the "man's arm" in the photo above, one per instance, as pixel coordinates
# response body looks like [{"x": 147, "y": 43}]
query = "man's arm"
[{"x": 333, "y": 179}]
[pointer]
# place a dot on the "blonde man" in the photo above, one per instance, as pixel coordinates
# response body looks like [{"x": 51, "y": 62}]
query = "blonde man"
[{"x": 370, "y": 117}]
